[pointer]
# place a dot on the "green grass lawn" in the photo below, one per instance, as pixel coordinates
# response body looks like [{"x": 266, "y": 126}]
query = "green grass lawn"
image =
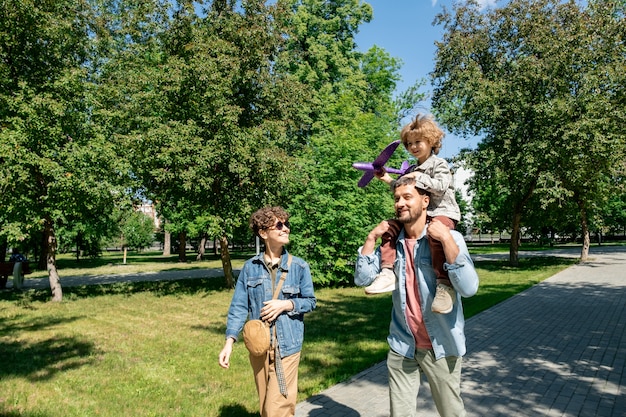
[{"x": 150, "y": 349}]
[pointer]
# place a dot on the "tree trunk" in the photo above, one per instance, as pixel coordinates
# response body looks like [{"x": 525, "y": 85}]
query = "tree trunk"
[
  {"x": 516, "y": 232},
  {"x": 182, "y": 247},
  {"x": 43, "y": 252},
  {"x": 167, "y": 244},
  {"x": 226, "y": 263},
  {"x": 515, "y": 239},
  {"x": 3, "y": 250},
  {"x": 78, "y": 245},
  {"x": 584, "y": 253},
  {"x": 51, "y": 266},
  {"x": 201, "y": 249}
]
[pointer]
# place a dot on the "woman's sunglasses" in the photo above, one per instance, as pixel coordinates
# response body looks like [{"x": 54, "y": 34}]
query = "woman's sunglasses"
[{"x": 279, "y": 225}]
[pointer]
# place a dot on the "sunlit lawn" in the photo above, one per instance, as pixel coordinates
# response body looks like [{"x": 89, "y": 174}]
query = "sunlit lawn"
[{"x": 150, "y": 349}]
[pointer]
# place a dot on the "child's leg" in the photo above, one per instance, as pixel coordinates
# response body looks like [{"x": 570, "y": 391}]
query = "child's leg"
[
  {"x": 388, "y": 245},
  {"x": 444, "y": 298},
  {"x": 386, "y": 280},
  {"x": 437, "y": 255}
]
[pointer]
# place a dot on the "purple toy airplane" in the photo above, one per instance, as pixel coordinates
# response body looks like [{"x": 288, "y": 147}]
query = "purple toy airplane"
[{"x": 379, "y": 163}]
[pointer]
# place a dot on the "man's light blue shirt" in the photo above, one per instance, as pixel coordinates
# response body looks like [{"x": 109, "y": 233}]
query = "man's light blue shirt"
[{"x": 446, "y": 331}]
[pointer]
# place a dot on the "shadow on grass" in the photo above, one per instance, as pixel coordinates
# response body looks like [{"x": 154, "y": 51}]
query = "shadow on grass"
[
  {"x": 6, "y": 413},
  {"x": 189, "y": 286},
  {"x": 135, "y": 258},
  {"x": 43, "y": 359},
  {"x": 526, "y": 264},
  {"x": 236, "y": 410},
  {"x": 354, "y": 328}
]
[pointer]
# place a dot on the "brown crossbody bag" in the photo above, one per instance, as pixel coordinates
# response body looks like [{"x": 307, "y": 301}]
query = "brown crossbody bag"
[{"x": 256, "y": 333}]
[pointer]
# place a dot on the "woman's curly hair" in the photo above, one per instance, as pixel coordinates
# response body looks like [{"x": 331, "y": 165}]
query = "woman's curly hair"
[{"x": 266, "y": 217}]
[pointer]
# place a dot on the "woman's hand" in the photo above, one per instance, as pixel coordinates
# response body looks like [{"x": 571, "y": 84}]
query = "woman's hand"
[
  {"x": 274, "y": 308},
  {"x": 224, "y": 357}
]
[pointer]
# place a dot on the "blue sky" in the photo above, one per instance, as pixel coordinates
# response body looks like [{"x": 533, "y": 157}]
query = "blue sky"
[{"x": 404, "y": 29}]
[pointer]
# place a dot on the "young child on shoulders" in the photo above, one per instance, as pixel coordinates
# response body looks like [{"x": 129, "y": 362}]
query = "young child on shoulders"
[{"x": 422, "y": 138}]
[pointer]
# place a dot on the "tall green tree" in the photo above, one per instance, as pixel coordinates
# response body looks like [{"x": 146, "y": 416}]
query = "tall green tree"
[
  {"x": 137, "y": 230},
  {"x": 205, "y": 114},
  {"x": 55, "y": 167},
  {"x": 355, "y": 117},
  {"x": 593, "y": 140},
  {"x": 531, "y": 79}
]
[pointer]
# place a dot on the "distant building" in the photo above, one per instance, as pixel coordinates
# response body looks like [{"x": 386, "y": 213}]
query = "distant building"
[
  {"x": 148, "y": 209},
  {"x": 461, "y": 175}
]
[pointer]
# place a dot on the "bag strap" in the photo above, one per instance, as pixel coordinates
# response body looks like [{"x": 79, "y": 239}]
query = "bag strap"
[
  {"x": 278, "y": 364},
  {"x": 276, "y": 292},
  {"x": 282, "y": 278}
]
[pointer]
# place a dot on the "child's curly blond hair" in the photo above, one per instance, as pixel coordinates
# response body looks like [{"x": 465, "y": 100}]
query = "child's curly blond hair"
[{"x": 425, "y": 128}]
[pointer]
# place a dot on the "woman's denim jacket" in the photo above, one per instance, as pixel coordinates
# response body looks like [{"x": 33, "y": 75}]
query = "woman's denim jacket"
[
  {"x": 446, "y": 331},
  {"x": 254, "y": 287}
]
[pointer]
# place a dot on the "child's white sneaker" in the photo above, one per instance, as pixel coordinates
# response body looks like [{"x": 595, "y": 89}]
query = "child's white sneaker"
[
  {"x": 385, "y": 281},
  {"x": 444, "y": 299}
]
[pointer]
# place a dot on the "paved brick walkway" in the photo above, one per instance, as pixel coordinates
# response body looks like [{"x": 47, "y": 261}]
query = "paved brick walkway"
[{"x": 557, "y": 349}]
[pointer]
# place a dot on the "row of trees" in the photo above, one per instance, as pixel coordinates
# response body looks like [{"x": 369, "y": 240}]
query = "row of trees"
[
  {"x": 212, "y": 109},
  {"x": 542, "y": 82},
  {"x": 209, "y": 109}
]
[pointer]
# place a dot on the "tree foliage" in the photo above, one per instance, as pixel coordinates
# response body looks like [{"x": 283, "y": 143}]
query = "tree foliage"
[
  {"x": 137, "y": 230},
  {"x": 540, "y": 82},
  {"x": 355, "y": 119},
  {"x": 205, "y": 113},
  {"x": 56, "y": 167}
]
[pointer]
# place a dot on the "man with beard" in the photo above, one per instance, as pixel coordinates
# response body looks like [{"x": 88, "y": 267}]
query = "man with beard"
[{"x": 420, "y": 340}]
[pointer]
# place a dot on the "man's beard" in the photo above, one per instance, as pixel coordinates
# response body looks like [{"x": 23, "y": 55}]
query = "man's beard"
[{"x": 406, "y": 216}]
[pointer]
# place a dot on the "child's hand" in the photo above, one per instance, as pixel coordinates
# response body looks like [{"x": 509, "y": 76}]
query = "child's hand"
[
  {"x": 441, "y": 233},
  {"x": 376, "y": 233},
  {"x": 382, "y": 175}
]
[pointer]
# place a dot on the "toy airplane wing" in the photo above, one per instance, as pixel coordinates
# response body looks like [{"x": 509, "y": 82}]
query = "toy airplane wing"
[
  {"x": 385, "y": 155},
  {"x": 379, "y": 163},
  {"x": 366, "y": 178}
]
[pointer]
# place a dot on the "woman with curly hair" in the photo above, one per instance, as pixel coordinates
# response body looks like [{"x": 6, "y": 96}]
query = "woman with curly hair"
[{"x": 276, "y": 372}]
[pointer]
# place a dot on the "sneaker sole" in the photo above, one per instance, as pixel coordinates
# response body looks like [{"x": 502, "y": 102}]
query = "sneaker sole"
[
  {"x": 442, "y": 312},
  {"x": 383, "y": 290}
]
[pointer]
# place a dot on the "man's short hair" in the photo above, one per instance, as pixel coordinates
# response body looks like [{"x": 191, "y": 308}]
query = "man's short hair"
[{"x": 409, "y": 180}]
